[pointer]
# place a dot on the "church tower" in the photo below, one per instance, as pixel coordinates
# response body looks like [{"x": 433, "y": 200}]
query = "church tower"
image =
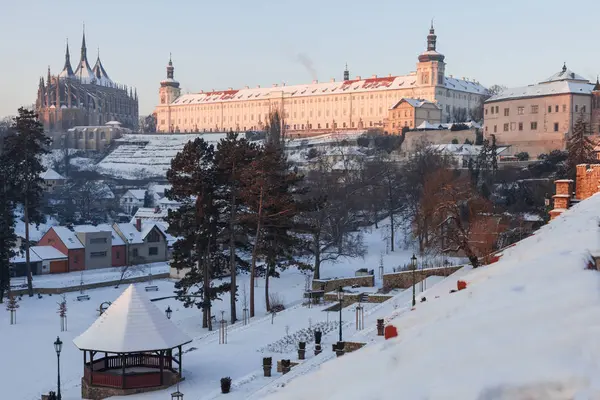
[
  {"x": 431, "y": 67},
  {"x": 169, "y": 88},
  {"x": 595, "y": 121},
  {"x": 346, "y": 73}
]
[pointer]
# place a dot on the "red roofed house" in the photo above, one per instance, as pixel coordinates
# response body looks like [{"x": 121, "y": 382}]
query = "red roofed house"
[{"x": 66, "y": 241}]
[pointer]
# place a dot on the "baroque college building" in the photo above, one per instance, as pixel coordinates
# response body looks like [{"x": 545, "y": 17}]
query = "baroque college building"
[
  {"x": 321, "y": 106},
  {"x": 84, "y": 97}
]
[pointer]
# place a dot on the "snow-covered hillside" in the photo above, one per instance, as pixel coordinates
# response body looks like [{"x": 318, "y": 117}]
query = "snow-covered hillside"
[
  {"x": 526, "y": 327},
  {"x": 145, "y": 156}
]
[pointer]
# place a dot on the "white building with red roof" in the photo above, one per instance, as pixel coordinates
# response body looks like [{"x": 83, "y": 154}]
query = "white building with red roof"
[{"x": 320, "y": 106}]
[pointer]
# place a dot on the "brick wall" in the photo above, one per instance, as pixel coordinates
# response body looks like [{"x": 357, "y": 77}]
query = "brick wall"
[
  {"x": 334, "y": 284},
  {"x": 404, "y": 280},
  {"x": 588, "y": 179}
]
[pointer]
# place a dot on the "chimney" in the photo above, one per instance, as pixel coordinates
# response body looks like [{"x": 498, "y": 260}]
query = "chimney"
[
  {"x": 230, "y": 88},
  {"x": 138, "y": 224},
  {"x": 315, "y": 81},
  {"x": 274, "y": 85},
  {"x": 358, "y": 78},
  {"x": 389, "y": 75},
  {"x": 332, "y": 80},
  {"x": 374, "y": 76}
]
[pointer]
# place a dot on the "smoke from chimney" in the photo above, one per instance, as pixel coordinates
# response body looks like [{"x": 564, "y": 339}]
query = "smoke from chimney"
[{"x": 307, "y": 64}]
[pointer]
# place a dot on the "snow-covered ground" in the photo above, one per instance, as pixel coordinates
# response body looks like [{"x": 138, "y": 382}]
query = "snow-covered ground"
[
  {"x": 526, "y": 327},
  {"x": 205, "y": 361}
]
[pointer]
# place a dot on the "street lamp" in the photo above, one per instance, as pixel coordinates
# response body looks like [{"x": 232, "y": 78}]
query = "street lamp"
[
  {"x": 168, "y": 311},
  {"x": 341, "y": 300},
  {"x": 413, "y": 263},
  {"x": 58, "y": 348}
]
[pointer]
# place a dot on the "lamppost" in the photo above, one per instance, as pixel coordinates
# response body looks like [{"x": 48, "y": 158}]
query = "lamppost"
[
  {"x": 168, "y": 311},
  {"x": 413, "y": 263},
  {"x": 341, "y": 300},
  {"x": 58, "y": 347}
]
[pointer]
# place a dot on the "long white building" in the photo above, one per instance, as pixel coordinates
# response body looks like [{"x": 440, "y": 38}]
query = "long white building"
[{"x": 320, "y": 106}]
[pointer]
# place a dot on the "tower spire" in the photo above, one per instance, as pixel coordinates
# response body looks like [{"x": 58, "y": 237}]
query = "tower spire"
[
  {"x": 346, "y": 73},
  {"x": 83, "y": 46},
  {"x": 170, "y": 68}
]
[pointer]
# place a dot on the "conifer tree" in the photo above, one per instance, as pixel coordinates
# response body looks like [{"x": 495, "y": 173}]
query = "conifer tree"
[
  {"x": 580, "y": 147},
  {"x": 7, "y": 233},
  {"x": 232, "y": 158},
  {"x": 24, "y": 150},
  {"x": 197, "y": 224}
]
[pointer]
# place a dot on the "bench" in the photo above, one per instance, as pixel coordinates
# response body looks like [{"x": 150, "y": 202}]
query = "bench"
[
  {"x": 83, "y": 297},
  {"x": 151, "y": 288}
]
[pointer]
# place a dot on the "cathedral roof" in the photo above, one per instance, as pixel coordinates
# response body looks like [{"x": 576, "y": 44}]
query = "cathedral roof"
[
  {"x": 67, "y": 71},
  {"x": 100, "y": 73},
  {"x": 83, "y": 72}
]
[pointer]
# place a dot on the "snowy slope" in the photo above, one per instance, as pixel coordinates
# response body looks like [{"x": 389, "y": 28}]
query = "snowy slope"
[{"x": 526, "y": 328}]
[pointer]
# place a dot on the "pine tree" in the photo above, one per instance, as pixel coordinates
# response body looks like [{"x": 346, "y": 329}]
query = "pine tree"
[
  {"x": 198, "y": 225},
  {"x": 23, "y": 151},
  {"x": 579, "y": 146},
  {"x": 7, "y": 234},
  {"x": 148, "y": 199},
  {"x": 232, "y": 158}
]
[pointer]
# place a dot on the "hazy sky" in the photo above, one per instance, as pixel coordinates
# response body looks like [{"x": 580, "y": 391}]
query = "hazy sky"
[{"x": 233, "y": 43}]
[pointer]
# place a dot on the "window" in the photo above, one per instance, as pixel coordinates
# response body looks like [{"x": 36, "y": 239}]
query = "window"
[
  {"x": 118, "y": 255},
  {"x": 506, "y": 112},
  {"x": 534, "y": 126},
  {"x": 582, "y": 108},
  {"x": 520, "y": 126},
  {"x": 549, "y": 109},
  {"x": 497, "y": 109},
  {"x": 556, "y": 127},
  {"x": 153, "y": 237},
  {"x": 534, "y": 109},
  {"x": 97, "y": 254},
  {"x": 520, "y": 110},
  {"x": 153, "y": 251},
  {"x": 75, "y": 259},
  {"x": 556, "y": 108},
  {"x": 135, "y": 252},
  {"x": 97, "y": 240},
  {"x": 506, "y": 127},
  {"x": 513, "y": 125},
  {"x": 564, "y": 108},
  {"x": 492, "y": 109},
  {"x": 486, "y": 111},
  {"x": 495, "y": 129}
]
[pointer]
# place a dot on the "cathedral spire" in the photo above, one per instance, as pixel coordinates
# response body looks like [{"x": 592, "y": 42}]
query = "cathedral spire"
[
  {"x": 83, "y": 46},
  {"x": 67, "y": 71}
]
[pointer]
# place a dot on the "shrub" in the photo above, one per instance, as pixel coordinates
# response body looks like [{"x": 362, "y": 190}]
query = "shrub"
[
  {"x": 454, "y": 141},
  {"x": 276, "y": 302},
  {"x": 522, "y": 156}
]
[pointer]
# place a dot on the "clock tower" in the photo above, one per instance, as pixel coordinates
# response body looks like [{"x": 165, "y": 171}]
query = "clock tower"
[{"x": 169, "y": 88}]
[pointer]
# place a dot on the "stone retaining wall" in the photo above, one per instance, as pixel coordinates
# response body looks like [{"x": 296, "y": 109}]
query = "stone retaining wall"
[
  {"x": 351, "y": 298},
  {"x": 404, "y": 279},
  {"x": 333, "y": 284},
  {"x": 349, "y": 347},
  {"x": 88, "y": 286}
]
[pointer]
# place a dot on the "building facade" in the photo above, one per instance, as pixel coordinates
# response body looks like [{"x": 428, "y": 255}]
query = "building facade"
[
  {"x": 84, "y": 97},
  {"x": 539, "y": 118},
  {"x": 321, "y": 106},
  {"x": 410, "y": 113}
]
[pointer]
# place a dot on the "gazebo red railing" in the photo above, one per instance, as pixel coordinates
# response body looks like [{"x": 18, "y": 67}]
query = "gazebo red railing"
[{"x": 108, "y": 371}]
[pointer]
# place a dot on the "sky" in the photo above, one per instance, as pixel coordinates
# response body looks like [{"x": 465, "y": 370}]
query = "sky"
[{"x": 234, "y": 43}]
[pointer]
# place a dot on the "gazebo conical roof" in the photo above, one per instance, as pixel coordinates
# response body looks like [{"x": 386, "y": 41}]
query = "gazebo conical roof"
[{"x": 131, "y": 324}]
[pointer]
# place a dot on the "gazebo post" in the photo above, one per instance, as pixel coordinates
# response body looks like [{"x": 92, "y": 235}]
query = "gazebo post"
[
  {"x": 105, "y": 360},
  {"x": 161, "y": 362},
  {"x": 91, "y": 366},
  {"x": 123, "y": 370}
]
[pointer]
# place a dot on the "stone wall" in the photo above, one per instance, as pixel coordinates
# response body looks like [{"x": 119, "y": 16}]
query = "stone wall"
[
  {"x": 445, "y": 136},
  {"x": 588, "y": 180},
  {"x": 349, "y": 347},
  {"x": 90, "y": 285},
  {"x": 333, "y": 284},
  {"x": 404, "y": 280},
  {"x": 351, "y": 298}
]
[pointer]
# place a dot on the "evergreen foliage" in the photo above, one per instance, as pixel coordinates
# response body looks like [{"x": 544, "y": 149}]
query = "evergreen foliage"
[{"x": 580, "y": 147}]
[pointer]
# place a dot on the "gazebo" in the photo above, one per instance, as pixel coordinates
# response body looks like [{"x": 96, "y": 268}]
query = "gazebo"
[{"x": 129, "y": 349}]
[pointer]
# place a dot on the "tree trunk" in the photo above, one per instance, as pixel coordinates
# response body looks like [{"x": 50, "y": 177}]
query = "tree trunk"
[
  {"x": 206, "y": 283},
  {"x": 267, "y": 303},
  {"x": 232, "y": 266},
  {"x": 255, "y": 252},
  {"x": 27, "y": 260},
  {"x": 391, "y": 206},
  {"x": 317, "y": 265}
]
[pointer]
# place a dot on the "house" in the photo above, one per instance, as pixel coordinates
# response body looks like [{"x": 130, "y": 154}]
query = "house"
[
  {"x": 52, "y": 179},
  {"x": 134, "y": 199},
  {"x": 19, "y": 268},
  {"x": 410, "y": 113},
  {"x": 147, "y": 241},
  {"x": 118, "y": 247},
  {"x": 97, "y": 243},
  {"x": 463, "y": 153},
  {"x": 67, "y": 242},
  {"x": 52, "y": 260},
  {"x": 154, "y": 214}
]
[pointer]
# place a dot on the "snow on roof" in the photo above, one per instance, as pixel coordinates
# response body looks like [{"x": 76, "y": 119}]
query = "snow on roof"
[
  {"x": 138, "y": 194},
  {"x": 51, "y": 174},
  {"x": 113, "y": 123},
  {"x": 323, "y": 88},
  {"x": 160, "y": 189},
  {"x": 544, "y": 89},
  {"x": 565, "y": 74},
  {"x": 427, "y": 125},
  {"x": 464, "y": 149},
  {"x": 89, "y": 228},
  {"x": 516, "y": 332},
  {"x": 68, "y": 237},
  {"x": 131, "y": 324},
  {"x": 131, "y": 234},
  {"x": 19, "y": 256},
  {"x": 417, "y": 103},
  {"x": 116, "y": 239},
  {"x": 150, "y": 214},
  {"x": 48, "y": 252}
]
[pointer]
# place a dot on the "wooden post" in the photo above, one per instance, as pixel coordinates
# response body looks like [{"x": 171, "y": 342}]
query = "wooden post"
[
  {"x": 105, "y": 360},
  {"x": 123, "y": 371},
  {"x": 91, "y": 366},
  {"x": 160, "y": 362}
]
